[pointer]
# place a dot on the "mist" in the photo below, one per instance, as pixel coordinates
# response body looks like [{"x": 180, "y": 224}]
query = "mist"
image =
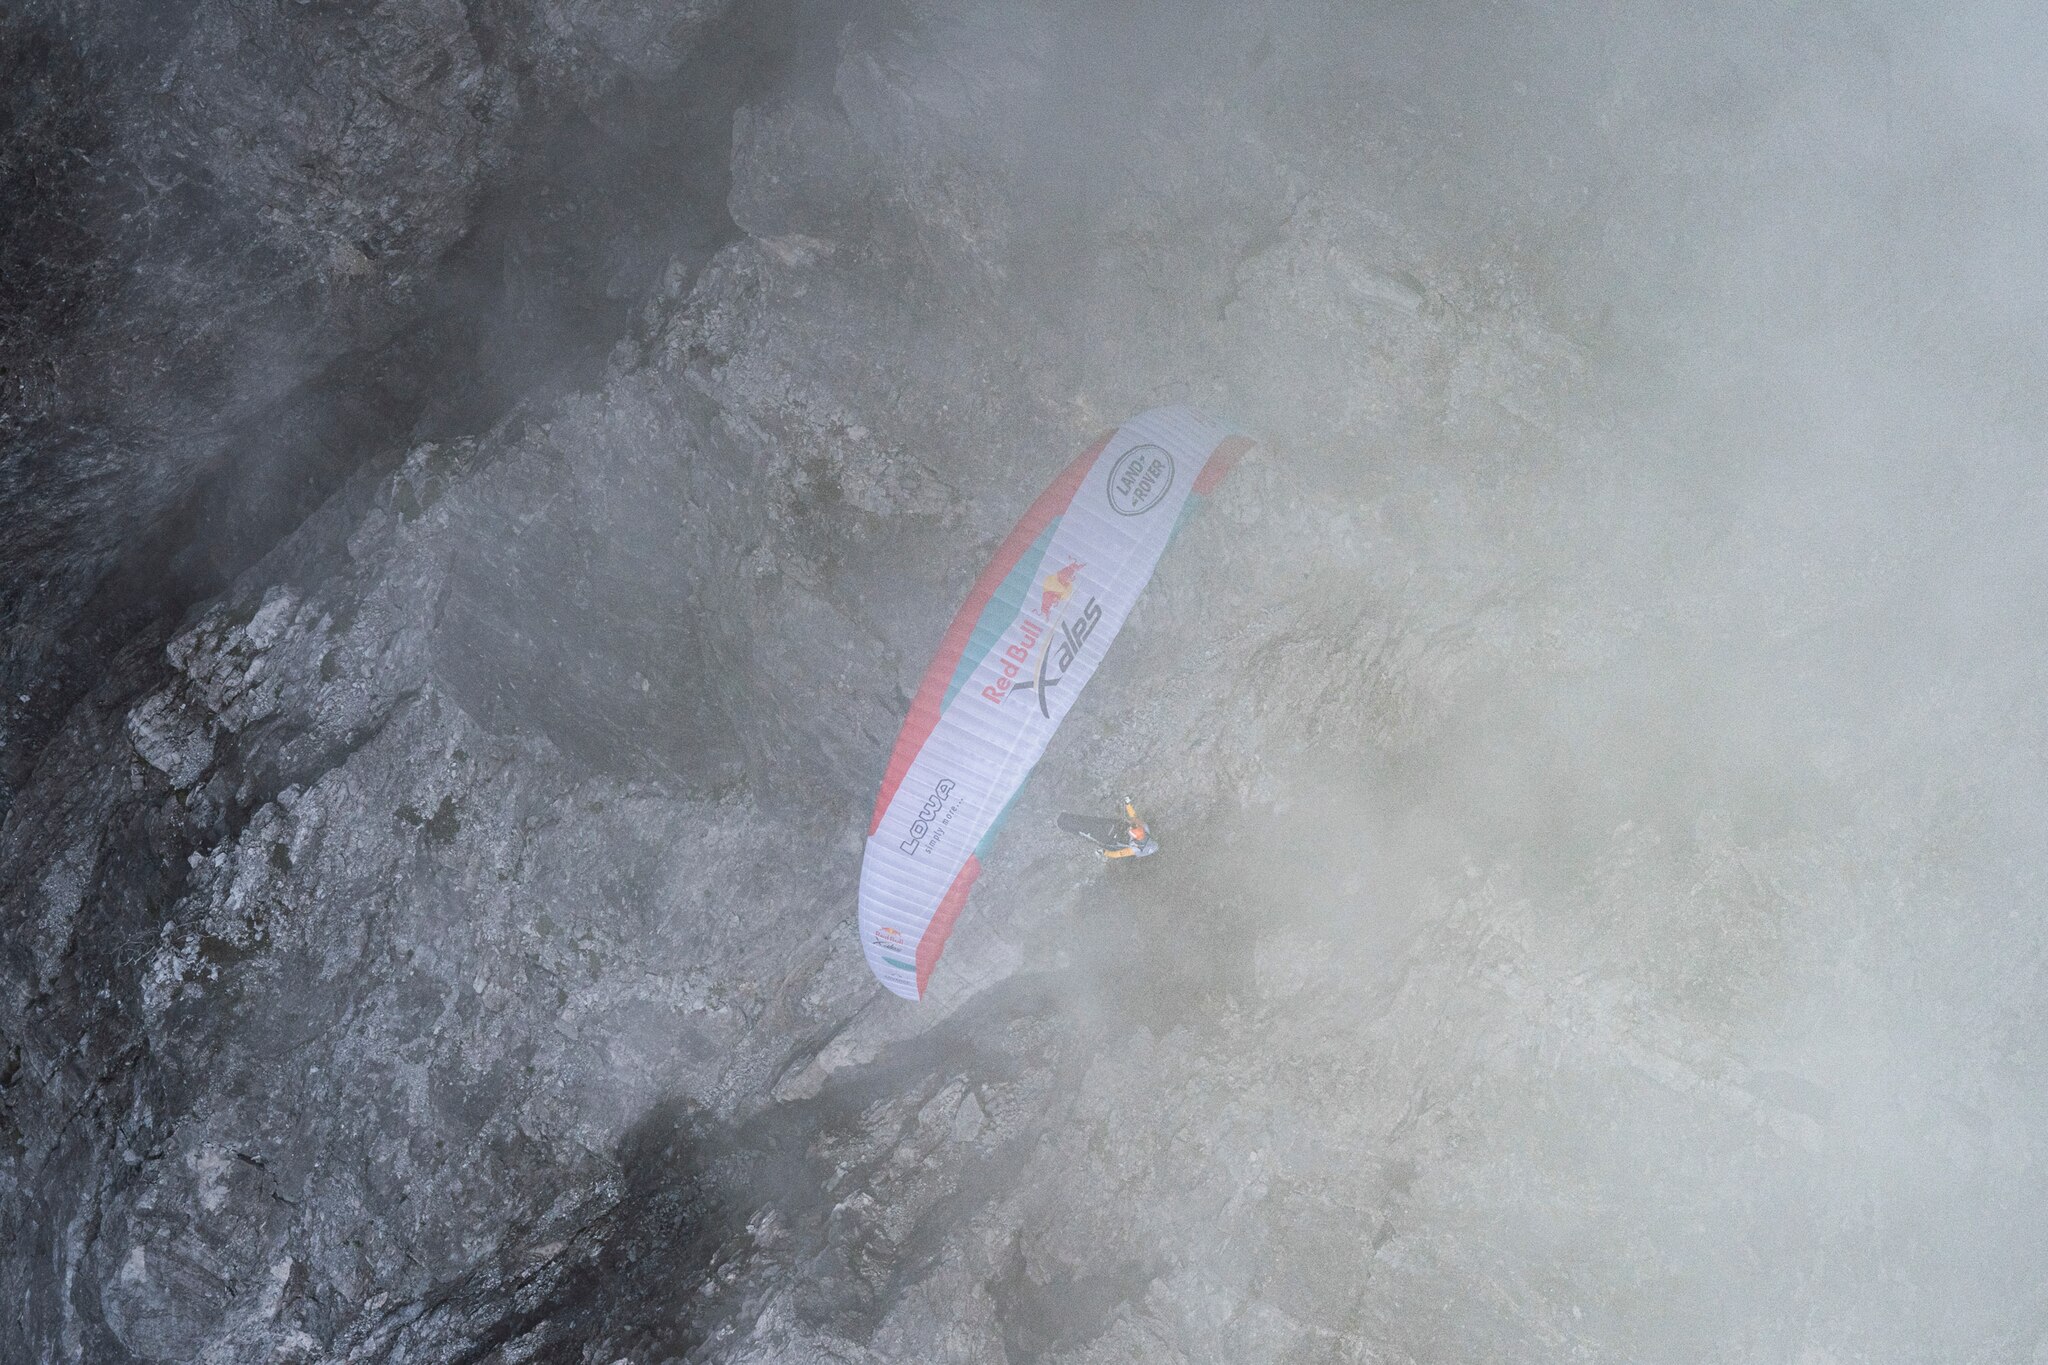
[{"x": 1596, "y": 740}]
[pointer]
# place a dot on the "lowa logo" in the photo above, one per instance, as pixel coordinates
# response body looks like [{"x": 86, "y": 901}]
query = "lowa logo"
[{"x": 933, "y": 804}]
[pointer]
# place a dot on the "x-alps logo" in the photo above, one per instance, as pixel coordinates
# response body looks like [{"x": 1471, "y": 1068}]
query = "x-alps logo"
[
  {"x": 1061, "y": 648},
  {"x": 922, "y": 825},
  {"x": 1055, "y": 640},
  {"x": 1139, "y": 480}
]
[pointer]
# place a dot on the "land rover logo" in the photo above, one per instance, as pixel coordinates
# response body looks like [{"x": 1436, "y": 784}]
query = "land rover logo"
[{"x": 1139, "y": 479}]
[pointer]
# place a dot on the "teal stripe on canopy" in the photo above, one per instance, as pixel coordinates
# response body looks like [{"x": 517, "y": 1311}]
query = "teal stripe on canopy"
[
  {"x": 1001, "y": 816},
  {"x": 1002, "y": 609}
]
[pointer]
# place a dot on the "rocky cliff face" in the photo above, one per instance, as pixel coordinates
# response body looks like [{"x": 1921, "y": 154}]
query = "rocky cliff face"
[
  {"x": 488, "y": 475},
  {"x": 257, "y": 247}
]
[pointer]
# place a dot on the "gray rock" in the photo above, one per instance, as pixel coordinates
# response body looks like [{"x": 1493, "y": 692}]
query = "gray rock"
[{"x": 1595, "y": 742}]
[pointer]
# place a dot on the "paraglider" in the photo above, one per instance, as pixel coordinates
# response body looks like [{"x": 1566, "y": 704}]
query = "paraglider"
[{"x": 1033, "y": 630}]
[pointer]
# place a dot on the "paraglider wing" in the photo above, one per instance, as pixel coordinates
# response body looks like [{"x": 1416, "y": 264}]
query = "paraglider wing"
[{"x": 1028, "y": 638}]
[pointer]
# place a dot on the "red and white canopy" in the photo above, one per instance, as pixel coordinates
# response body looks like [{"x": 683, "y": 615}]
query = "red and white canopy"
[{"x": 1022, "y": 647}]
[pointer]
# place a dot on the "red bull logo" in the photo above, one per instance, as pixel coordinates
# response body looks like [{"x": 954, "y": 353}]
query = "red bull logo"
[
  {"x": 1058, "y": 587},
  {"x": 1053, "y": 596},
  {"x": 890, "y": 940}
]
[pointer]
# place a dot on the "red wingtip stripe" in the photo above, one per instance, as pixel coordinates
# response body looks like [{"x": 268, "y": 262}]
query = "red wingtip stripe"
[
  {"x": 931, "y": 693},
  {"x": 1221, "y": 461},
  {"x": 935, "y": 934}
]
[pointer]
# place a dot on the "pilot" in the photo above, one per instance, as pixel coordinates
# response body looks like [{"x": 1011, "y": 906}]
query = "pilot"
[{"x": 1125, "y": 838}]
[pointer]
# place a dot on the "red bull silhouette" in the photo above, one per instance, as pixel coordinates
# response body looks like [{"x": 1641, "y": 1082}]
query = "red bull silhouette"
[{"x": 1058, "y": 588}]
